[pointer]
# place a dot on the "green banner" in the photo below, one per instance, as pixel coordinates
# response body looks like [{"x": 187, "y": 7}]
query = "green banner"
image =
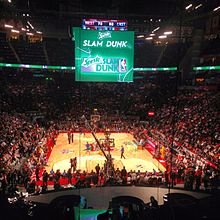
[
  {"x": 149, "y": 69},
  {"x": 201, "y": 68},
  {"x": 33, "y": 66}
]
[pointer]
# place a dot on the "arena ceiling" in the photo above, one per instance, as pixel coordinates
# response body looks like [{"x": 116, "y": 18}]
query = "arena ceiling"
[
  {"x": 157, "y": 10},
  {"x": 123, "y": 6},
  {"x": 143, "y": 6},
  {"x": 163, "y": 8}
]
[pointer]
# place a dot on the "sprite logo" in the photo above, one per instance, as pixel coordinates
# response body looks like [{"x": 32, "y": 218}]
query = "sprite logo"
[
  {"x": 91, "y": 61},
  {"x": 104, "y": 35}
]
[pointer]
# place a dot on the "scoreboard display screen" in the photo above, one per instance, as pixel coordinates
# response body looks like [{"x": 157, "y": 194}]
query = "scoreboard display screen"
[
  {"x": 101, "y": 24},
  {"x": 103, "y": 56}
]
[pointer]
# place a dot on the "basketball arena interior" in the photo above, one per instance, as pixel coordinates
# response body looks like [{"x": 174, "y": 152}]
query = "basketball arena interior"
[{"x": 109, "y": 109}]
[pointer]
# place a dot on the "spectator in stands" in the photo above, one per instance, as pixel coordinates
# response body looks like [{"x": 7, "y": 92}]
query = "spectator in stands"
[
  {"x": 97, "y": 168},
  {"x": 153, "y": 203},
  {"x": 45, "y": 177},
  {"x": 69, "y": 176},
  {"x": 124, "y": 175}
]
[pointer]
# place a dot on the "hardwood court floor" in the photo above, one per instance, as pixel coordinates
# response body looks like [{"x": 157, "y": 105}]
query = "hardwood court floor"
[{"x": 135, "y": 159}]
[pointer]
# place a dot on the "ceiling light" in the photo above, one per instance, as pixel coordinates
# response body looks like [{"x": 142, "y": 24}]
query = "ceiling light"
[
  {"x": 30, "y": 25},
  {"x": 188, "y": 6},
  {"x": 216, "y": 9},
  {"x": 155, "y": 29},
  {"x": 140, "y": 36},
  {"x": 162, "y": 36},
  {"x": 167, "y": 32},
  {"x": 8, "y": 26},
  {"x": 198, "y": 6},
  {"x": 149, "y": 38},
  {"x": 15, "y": 31}
]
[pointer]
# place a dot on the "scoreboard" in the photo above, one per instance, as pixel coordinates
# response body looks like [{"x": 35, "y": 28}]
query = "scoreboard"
[{"x": 103, "y": 24}]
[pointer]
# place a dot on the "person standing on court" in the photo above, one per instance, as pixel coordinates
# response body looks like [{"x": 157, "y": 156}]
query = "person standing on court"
[
  {"x": 122, "y": 152},
  {"x": 69, "y": 136},
  {"x": 97, "y": 168},
  {"x": 72, "y": 135}
]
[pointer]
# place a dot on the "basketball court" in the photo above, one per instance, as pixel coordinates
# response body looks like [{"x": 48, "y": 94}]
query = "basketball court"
[{"x": 136, "y": 159}]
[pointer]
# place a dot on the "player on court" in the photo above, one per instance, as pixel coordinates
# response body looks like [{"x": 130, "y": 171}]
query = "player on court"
[
  {"x": 122, "y": 152},
  {"x": 88, "y": 147}
]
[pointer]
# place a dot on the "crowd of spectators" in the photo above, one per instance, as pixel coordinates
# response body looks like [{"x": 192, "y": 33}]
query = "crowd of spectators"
[
  {"x": 191, "y": 121},
  {"x": 96, "y": 177},
  {"x": 186, "y": 124}
]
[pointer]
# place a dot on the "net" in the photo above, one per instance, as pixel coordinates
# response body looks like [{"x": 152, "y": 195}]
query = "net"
[{"x": 95, "y": 118}]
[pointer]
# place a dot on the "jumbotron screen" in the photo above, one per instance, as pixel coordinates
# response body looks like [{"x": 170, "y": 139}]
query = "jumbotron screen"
[{"x": 103, "y": 56}]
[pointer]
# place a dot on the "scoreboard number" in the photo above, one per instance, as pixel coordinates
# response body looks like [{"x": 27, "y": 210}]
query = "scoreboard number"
[{"x": 101, "y": 24}]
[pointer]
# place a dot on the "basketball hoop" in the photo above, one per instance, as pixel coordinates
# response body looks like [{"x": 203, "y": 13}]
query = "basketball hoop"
[
  {"x": 95, "y": 118},
  {"x": 107, "y": 133}
]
